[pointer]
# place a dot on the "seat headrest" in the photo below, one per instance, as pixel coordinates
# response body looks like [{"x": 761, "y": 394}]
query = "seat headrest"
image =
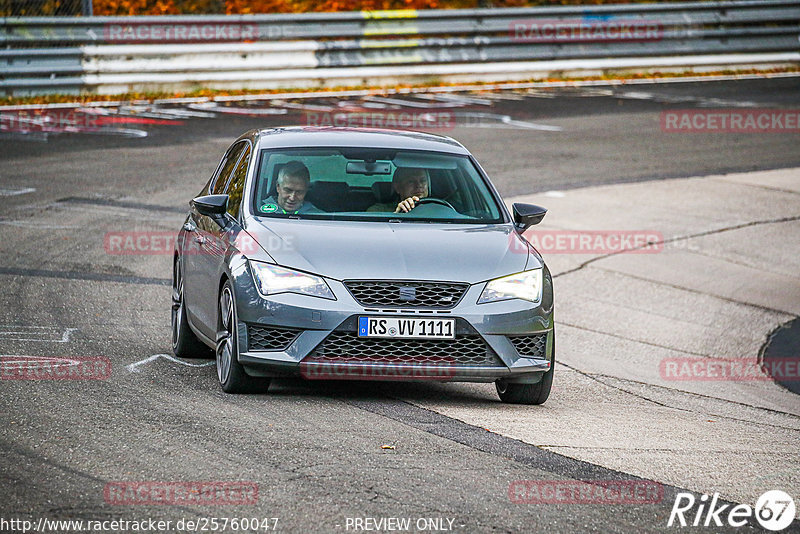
[
  {"x": 383, "y": 192},
  {"x": 329, "y": 196},
  {"x": 441, "y": 187}
]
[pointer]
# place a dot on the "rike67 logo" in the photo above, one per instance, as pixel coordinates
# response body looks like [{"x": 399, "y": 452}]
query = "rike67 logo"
[{"x": 774, "y": 511}]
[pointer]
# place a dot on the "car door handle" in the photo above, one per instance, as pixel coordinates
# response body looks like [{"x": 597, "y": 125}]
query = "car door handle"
[{"x": 200, "y": 239}]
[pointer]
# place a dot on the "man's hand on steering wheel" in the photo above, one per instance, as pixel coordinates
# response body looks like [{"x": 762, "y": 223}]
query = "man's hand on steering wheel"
[{"x": 404, "y": 206}]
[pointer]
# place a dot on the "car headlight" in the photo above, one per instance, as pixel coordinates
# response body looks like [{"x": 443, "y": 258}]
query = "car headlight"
[
  {"x": 271, "y": 280},
  {"x": 526, "y": 285}
]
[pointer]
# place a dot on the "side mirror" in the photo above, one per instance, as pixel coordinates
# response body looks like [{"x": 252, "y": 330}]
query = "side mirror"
[
  {"x": 526, "y": 215},
  {"x": 210, "y": 205}
]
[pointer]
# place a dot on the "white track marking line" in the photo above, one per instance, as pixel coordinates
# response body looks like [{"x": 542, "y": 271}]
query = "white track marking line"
[
  {"x": 37, "y": 225},
  {"x": 500, "y": 121},
  {"x": 156, "y": 112},
  {"x": 302, "y": 107},
  {"x": 15, "y": 192},
  {"x": 134, "y": 367},
  {"x": 231, "y": 110},
  {"x": 461, "y": 100},
  {"x": 26, "y": 361},
  {"x": 411, "y": 103},
  {"x": 410, "y": 90},
  {"x": 675, "y": 99},
  {"x": 501, "y": 96},
  {"x": 22, "y": 330},
  {"x": 66, "y": 335}
]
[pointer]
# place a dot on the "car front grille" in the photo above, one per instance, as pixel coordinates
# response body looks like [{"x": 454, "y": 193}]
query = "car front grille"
[
  {"x": 469, "y": 350},
  {"x": 398, "y": 293},
  {"x": 532, "y": 346},
  {"x": 261, "y": 337}
]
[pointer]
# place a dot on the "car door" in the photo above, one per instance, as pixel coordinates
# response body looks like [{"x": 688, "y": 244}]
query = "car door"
[{"x": 205, "y": 252}]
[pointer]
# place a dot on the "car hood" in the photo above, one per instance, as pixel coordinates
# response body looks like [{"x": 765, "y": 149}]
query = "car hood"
[{"x": 378, "y": 250}]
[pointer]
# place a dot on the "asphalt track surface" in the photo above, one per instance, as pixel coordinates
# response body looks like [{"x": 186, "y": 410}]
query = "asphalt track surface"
[{"x": 320, "y": 453}]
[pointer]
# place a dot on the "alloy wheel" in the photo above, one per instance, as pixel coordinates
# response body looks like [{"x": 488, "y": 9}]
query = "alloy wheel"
[{"x": 225, "y": 337}]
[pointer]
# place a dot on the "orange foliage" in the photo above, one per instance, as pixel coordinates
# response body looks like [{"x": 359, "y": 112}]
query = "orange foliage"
[
  {"x": 304, "y": 6},
  {"x": 157, "y": 7},
  {"x": 247, "y": 7},
  {"x": 244, "y": 7}
]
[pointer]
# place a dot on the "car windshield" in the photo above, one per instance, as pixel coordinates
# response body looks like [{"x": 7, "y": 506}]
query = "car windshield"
[{"x": 368, "y": 184}]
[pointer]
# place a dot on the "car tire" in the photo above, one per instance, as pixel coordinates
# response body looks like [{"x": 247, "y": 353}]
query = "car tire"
[
  {"x": 528, "y": 393},
  {"x": 230, "y": 373},
  {"x": 184, "y": 342}
]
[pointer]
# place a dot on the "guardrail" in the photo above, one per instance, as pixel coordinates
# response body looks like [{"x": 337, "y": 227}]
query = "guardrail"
[{"x": 120, "y": 54}]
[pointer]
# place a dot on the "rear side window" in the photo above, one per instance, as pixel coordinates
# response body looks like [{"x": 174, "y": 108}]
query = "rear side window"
[
  {"x": 218, "y": 188},
  {"x": 235, "y": 188}
]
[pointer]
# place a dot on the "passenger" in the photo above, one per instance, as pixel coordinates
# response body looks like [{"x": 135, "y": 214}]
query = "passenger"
[
  {"x": 411, "y": 185},
  {"x": 292, "y": 186}
]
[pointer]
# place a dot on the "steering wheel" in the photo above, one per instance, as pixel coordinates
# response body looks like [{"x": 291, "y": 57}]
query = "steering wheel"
[{"x": 429, "y": 200}]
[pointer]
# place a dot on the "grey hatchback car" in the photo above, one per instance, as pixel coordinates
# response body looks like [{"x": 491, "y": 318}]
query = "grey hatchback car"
[{"x": 360, "y": 254}]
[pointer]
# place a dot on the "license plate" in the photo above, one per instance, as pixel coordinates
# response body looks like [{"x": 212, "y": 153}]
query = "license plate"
[{"x": 406, "y": 328}]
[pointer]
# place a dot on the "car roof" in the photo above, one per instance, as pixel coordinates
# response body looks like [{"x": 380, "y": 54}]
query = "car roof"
[{"x": 314, "y": 136}]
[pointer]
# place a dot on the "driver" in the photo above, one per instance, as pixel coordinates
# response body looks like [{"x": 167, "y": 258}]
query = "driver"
[
  {"x": 410, "y": 184},
  {"x": 291, "y": 188}
]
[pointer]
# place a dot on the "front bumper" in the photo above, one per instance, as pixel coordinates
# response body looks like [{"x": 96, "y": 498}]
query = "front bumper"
[{"x": 316, "y": 319}]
